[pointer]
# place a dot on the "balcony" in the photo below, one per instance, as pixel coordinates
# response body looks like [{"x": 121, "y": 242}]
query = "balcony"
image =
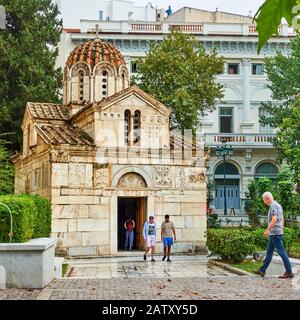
[{"x": 241, "y": 140}]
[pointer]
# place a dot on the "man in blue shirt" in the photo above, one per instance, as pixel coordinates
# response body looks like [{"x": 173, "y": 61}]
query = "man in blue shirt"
[{"x": 275, "y": 234}]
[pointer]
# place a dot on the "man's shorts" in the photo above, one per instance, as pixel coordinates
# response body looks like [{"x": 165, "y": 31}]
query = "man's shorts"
[
  {"x": 150, "y": 241},
  {"x": 168, "y": 242}
]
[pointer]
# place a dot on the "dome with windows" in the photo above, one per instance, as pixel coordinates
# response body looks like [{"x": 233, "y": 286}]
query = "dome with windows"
[
  {"x": 94, "y": 51},
  {"x": 93, "y": 72}
]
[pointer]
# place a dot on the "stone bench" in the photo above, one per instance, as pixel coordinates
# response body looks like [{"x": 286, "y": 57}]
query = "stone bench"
[{"x": 29, "y": 264}]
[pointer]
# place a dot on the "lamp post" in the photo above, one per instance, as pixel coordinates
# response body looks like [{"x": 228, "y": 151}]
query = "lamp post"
[{"x": 222, "y": 152}]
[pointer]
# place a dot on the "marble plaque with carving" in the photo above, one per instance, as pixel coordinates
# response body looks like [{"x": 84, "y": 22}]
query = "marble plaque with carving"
[
  {"x": 59, "y": 156},
  {"x": 101, "y": 178},
  {"x": 180, "y": 178},
  {"x": 163, "y": 176},
  {"x": 76, "y": 174},
  {"x": 196, "y": 177},
  {"x": 132, "y": 180}
]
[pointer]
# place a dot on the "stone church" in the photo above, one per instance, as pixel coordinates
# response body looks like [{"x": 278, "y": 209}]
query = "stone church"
[{"x": 107, "y": 153}]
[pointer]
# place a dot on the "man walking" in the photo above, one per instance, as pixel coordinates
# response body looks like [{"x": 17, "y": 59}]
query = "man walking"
[
  {"x": 150, "y": 237},
  {"x": 167, "y": 231},
  {"x": 275, "y": 234},
  {"x": 129, "y": 233}
]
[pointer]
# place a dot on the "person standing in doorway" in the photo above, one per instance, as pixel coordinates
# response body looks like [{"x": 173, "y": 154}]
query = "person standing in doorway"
[
  {"x": 275, "y": 234},
  {"x": 167, "y": 232},
  {"x": 150, "y": 237},
  {"x": 129, "y": 233}
]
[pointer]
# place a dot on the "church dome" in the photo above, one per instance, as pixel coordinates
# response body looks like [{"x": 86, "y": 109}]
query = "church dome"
[{"x": 95, "y": 51}]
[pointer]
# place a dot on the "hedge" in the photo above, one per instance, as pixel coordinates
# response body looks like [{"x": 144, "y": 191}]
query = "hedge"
[
  {"x": 31, "y": 217},
  {"x": 261, "y": 242},
  {"x": 232, "y": 245}
]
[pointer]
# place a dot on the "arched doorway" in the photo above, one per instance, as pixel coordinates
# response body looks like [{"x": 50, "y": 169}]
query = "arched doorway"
[
  {"x": 266, "y": 169},
  {"x": 134, "y": 207},
  {"x": 232, "y": 186}
]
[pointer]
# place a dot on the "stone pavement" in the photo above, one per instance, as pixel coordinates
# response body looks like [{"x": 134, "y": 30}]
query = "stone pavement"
[{"x": 190, "y": 278}]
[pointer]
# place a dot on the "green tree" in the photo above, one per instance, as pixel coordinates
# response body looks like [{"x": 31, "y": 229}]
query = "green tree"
[
  {"x": 27, "y": 61},
  {"x": 269, "y": 17},
  {"x": 288, "y": 141},
  {"x": 179, "y": 73},
  {"x": 6, "y": 172}
]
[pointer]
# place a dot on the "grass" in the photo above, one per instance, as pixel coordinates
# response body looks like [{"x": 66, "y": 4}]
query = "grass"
[
  {"x": 64, "y": 269},
  {"x": 248, "y": 266}
]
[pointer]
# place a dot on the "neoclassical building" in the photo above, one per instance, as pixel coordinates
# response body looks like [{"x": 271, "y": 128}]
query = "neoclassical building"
[{"x": 107, "y": 153}]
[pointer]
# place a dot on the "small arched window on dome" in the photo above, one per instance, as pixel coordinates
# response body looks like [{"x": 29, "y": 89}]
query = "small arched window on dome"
[
  {"x": 104, "y": 84},
  {"x": 123, "y": 81},
  {"x": 127, "y": 116},
  {"x": 137, "y": 127},
  {"x": 81, "y": 86}
]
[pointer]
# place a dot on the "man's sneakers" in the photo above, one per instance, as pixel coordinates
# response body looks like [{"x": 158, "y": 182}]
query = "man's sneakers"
[
  {"x": 260, "y": 273},
  {"x": 152, "y": 260},
  {"x": 164, "y": 258},
  {"x": 168, "y": 260},
  {"x": 287, "y": 275},
  {"x": 145, "y": 258}
]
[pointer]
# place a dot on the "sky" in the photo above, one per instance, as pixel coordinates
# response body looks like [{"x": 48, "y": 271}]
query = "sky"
[{"x": 234, "y": 6}]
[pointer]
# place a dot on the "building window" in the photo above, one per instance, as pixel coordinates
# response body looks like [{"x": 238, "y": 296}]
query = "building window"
[
  {"x": 137, "y": 127},
  {"x": 127, "y": 115},
  {"x": 257, "y": 69},
  {"x": 265, "y": 129},
  {"x": 104, "y": 81},
  {"x": 81, "y": 80},
  {"x": 100, "y": 15},
  {"x": 226, "y": 120},
  {"x": 133, "y": 67},
  {"x": 123, "y": 81},
  {"x": 266, "y": 169},
  {"x": 233, "y": 68}
]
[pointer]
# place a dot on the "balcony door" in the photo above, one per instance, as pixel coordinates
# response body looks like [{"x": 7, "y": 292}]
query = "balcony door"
[{"x": 226, "y": 119}]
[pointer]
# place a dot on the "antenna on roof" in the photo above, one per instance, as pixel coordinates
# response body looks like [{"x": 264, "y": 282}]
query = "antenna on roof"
[
  {"x": 250, "y": 13},
  {"x": 217, "y": 9}
]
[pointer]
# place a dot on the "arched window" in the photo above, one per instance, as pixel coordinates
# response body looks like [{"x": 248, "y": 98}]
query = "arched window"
[
  {"x": 123, "y": 81},
  {"x": 127, "y": 115},
  {"x": 81, "y": 84},
  {"x": 230, "y": 169},
  {"x": 137, "y": 127},
  {"x": 266, "y": 169},
  {"x": 104, "y": 83}
]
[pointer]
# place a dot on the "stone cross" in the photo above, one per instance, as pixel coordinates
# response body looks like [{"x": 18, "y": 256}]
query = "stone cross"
[
  {"x": 98, "y": 30},
  {"x": 2, "y": 17}
]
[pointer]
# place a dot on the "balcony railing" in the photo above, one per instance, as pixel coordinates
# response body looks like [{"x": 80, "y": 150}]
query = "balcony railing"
[
  {"x": 144, "y": 27},
  {"x": 241, "y": 140},
  {"x": 186, "y": 28}
]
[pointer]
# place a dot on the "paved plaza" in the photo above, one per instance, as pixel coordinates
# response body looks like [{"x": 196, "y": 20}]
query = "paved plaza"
[{"x": 187, "y": 277}]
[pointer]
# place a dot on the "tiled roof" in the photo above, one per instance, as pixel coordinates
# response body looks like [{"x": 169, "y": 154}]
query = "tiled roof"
[
  {"x": 48, "y": 111},
  {"x": 94, "y": 51},
  {"x": 64, "y": 134}
]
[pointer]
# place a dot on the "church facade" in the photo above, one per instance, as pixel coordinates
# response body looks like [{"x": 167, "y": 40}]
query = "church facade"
[{"x": 107, "y": 153}]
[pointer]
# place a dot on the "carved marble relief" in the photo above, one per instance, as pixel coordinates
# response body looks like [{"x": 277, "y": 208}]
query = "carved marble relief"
[
  {"x": 163, "y": 177},
  {"x": 132, "y": 180},
  {"x": 196, "y": 177},
  {"x": 180, "y": 178},
  {"x": 76, "y": 174},
  {"x": 59, "y": 156},
  {"x": 101, "y": 178}
]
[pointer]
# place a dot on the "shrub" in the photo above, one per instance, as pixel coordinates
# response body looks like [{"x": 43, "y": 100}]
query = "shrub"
[
  {"x": 31, "y": 217},
  {"x": 23, "y": 213},
  {"x": 230, "y": 244},
  {"x": 212, "y": 221},
  {"x": 261, "y": 242}
]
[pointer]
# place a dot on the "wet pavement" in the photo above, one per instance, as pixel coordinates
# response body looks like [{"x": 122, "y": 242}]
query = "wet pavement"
[{"x": 136, "y": 267}]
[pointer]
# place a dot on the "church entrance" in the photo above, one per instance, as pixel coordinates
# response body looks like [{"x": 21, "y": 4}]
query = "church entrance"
[{"x": 135, "y": 208}]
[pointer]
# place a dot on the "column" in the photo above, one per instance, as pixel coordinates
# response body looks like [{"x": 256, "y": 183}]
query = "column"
[{"x": 246, "y": 123}]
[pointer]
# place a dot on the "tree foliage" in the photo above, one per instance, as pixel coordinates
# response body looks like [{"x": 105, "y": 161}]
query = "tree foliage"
[
  {"x": 27, "y": 61},
  {"x": 283, "y": 112},
  {"x": 269, "y": 16},
  {"x": 179, "y": 73},
  {"x": 6, "y": 172}
]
